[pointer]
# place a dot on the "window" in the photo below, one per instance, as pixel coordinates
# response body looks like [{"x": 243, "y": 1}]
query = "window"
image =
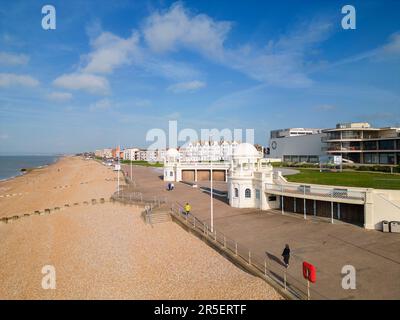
[
  {"x": 303, "y": 158},
  {"x": 386, "y": 158},
  {"x": 257, "y": 194},
  {"x": 272, "y": 198},
  {"x": 247, "y": 193},
  {"x": 236, "y": 192},
  {"x": 351, "y": 134},
  {"x": 314, "y": 159},
  {"x": 386, "y": 145},
  {"x": 371, "y": 158},
  {"x": 171, "y": 173}
]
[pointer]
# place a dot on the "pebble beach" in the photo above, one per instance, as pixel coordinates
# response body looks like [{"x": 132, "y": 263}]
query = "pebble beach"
[{"x": 105, "y": 251}]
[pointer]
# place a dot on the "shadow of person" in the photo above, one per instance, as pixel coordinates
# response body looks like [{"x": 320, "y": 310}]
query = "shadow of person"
[{"x": 274, "y": 258}]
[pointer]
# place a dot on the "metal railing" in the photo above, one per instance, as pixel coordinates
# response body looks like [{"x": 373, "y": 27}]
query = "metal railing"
[
  {"x": 271, "y": 270},
  {"x": 127, "y": 196},
  {"x": 324, "y": 192}
]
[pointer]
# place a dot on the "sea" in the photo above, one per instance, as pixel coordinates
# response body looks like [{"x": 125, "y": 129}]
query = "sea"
[{"x": 10, "y": 166}]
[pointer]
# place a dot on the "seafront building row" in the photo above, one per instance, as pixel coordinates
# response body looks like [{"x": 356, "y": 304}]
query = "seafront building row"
[
  {"x": 192, "y": 152},
  {"x": 356, "y": 142}
]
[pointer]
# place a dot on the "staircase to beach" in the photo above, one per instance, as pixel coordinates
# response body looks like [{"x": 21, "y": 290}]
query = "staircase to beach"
[{"x": 157, "y": 215}]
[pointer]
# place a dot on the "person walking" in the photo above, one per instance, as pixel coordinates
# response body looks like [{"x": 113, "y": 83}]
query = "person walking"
[
  {"x": 286, "y": 255},
  {"x": 187, "y": 208}
]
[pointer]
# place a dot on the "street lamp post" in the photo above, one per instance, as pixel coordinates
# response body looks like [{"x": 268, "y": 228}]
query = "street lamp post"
[
  {"x": 130, "y": 154},
  {"x": 118, "y": 169},
  {"x": 212, "y": 200}
]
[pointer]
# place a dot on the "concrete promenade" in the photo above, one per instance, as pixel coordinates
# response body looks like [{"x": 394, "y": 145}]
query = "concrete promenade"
[{"x": 375, "y": 255}]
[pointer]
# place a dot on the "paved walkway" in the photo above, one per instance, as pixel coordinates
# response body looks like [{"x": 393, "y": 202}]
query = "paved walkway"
[{"x": 375, "y": 255}]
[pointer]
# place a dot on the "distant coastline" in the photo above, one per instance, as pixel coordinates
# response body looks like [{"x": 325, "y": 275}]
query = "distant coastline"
[{"x": 11, "y": 166}]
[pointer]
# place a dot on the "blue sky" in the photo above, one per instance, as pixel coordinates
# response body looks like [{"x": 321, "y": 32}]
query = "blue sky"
[{"x": 111, "y": 71}]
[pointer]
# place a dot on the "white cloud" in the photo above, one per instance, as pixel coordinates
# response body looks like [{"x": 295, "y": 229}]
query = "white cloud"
[
  {"x": 281, "y": 62},
  {"x": 81, "y": 81},
  {"x": 11, "y": 79},
  {"x": 391, "y": 49},
  {"x": 10, "y": 59},
  {"x": 393, "y": 45},
  {"x": 186, "y": 86},
  {"x": 101, "y": 105},
  {"x": 170, "y": 69},
  {"x": 282, "y": 69},
  {"x": 165, "y": 31},
  {"x": 59, "y": 96},
  {"x": 110, "y": 52}
]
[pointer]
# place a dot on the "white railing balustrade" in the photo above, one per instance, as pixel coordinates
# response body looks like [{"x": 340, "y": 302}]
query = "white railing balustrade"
[{"x": 327, "y": 192}]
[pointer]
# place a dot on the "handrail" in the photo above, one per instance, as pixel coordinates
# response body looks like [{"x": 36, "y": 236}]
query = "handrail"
[
  {"x": 273, "y": 272},
  {"x": 320, "y": 191}
]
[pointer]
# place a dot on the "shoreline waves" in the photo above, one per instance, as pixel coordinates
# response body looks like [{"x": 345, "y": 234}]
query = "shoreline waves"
[{"x": 19, "y": 171}]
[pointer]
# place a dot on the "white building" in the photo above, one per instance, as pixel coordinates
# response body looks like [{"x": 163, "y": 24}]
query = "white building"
[
  {"x": 297, "y": 145},
  {"x": 293, "y": 132},
  {"x": 207, "y": 151},
  {"x": 248, "y": 176},
  {"x": 130, "y": 154},
  {"x": 136, "y": 154},
  {"x": 252, "y": 183},
  {"x": 103, "y": 153},
  {"x": 177, "y": 170}
]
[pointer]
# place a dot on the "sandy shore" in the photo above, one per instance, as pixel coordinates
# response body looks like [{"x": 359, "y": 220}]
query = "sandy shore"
[{"x": 106, "y": 251}]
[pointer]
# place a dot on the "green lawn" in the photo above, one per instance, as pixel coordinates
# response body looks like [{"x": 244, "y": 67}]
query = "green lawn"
[
  {"x": 348, "y": 178},
  {"x": 143, "y": 163}
]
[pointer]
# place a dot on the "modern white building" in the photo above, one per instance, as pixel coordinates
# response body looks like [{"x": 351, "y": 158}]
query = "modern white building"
[
  {"x": 359, "y": 142},
  {"x": 296, "y": 145}
]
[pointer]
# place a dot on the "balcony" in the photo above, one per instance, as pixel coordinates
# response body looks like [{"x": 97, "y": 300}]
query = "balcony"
[
  {"x": 317, "y": 192},
  {"x": 343, "y": 149}
]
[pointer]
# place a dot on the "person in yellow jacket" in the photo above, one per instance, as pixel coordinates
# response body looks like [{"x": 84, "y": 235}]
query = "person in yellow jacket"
[{"x": 187, "y": 208}]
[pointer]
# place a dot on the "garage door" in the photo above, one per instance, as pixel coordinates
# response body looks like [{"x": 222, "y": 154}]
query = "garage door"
[
  {"x": 203, "y": 175},
  {"x": 188, "y": 175},
  {"x": 219, "y": 175}
]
